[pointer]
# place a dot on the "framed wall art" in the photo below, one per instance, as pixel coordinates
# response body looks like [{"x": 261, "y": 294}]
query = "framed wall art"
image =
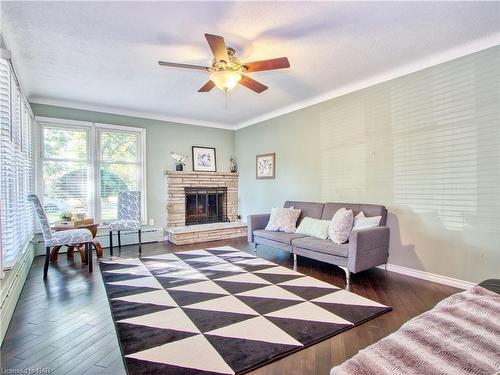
[
  {"x": 265, "y": 166},
  {"x": 204, "y": 159}
]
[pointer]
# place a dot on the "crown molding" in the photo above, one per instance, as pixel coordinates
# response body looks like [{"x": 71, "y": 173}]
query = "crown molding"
[
  {"x": 436, "y": 59},
  {"x": 127, "y": 112}
]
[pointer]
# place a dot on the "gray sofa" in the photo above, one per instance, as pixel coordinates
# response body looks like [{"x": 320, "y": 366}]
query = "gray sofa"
[{"x": 365, "y": 248}]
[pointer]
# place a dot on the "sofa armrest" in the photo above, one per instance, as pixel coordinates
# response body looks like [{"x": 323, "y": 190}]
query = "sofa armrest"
[
  {"x": 255, "y": 222},
  {"x": 368, "y": 248}
]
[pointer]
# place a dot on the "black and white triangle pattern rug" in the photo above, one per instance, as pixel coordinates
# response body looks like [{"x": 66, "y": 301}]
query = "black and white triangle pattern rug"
[{"x": 221, "y": 311}]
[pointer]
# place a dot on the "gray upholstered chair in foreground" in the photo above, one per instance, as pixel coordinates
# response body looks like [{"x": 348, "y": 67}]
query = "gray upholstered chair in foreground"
[
  {"x": 129, "y": 217},
  {"x": 71, "y": 237}
]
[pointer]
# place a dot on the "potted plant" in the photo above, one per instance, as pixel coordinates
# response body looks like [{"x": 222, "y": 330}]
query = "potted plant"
[{"x": 180, "y": 161}]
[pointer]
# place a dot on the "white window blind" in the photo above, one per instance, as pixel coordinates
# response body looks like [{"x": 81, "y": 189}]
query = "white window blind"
[
  {"x": 84, "y": 167},
  {"x": 16, "y": 171}
]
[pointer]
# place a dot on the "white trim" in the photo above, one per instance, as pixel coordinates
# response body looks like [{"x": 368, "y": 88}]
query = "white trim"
[
  {"x": 451, "y": 54},
  {"x": 92, "y": 129},
  {"x": 436, "y": 59},
  {"x": 12, "y": 286},
  {"x": 456, "y": 283},
  {"x": 60, "y": 121},
  {"x": 128, "y": 112}
]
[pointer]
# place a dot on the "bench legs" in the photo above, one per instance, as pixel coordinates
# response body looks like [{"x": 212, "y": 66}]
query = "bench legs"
[{"x": 295, "y": 262}]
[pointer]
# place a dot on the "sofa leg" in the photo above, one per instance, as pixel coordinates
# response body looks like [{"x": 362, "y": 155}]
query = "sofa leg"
[
  {"x": 347, "y": 275},
  {"x": 255, "y": 248},
  {"x": 295, "y": 262}
]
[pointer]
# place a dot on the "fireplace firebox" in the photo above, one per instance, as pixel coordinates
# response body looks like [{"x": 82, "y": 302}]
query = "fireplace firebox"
[{"x": 206, "y": 205}]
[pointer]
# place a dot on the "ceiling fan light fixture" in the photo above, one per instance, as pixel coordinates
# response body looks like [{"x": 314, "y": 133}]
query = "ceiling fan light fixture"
[{"x": 225, "y": 79}]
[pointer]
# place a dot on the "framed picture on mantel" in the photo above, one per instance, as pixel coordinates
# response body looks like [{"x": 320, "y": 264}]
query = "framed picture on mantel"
[
  {"x": 265, "y": 166},
  {"x": 204, "y": 159}
]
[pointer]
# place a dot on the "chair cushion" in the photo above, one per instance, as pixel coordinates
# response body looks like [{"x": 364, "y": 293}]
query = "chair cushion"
[
  {"x": 69, "y": 237},
  {"x": 277, "y": 236},
  {"x": 125, "y": 225},
  {"x": 321, "y": 246}
]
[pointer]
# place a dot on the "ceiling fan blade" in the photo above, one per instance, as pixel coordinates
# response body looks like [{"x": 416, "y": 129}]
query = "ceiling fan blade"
[
  {"x": 207, "y": 86},
  {"x": 218, "y": 47},
  {"x": 271, "y": 64},
  {"x": 186, "y": 66},
  {"x": 252, "y": 84}
]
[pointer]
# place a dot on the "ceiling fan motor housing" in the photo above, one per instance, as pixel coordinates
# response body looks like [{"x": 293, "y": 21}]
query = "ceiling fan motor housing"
[{"x": 234, "y": 64}]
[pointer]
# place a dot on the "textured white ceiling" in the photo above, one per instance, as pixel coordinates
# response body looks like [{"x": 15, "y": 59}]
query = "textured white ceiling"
[{"x": 103, "y": 55}]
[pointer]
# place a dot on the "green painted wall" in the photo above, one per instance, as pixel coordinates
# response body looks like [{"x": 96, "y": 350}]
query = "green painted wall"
[
  {"x": 426, "y": 145},
  {"x": 161, "y": 138}
]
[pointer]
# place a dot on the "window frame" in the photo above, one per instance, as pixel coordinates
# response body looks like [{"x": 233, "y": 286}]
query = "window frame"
[{"x": 93, "y": 130}]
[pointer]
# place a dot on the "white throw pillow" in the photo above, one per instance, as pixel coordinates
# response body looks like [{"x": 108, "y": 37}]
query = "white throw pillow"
[
  {"x": 363, "y": 222},
  {"x": 283, "y": 220},
  {"x": 340, "y": 226},
  {"x": 314, "y": 227}
]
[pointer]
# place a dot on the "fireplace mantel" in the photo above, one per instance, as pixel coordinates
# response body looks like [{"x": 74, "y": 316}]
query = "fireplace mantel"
[
  {"x": 201, "y": 174},
  {"x": 177, "y": 181}
]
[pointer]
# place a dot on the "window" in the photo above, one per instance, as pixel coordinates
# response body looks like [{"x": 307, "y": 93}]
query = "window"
[
  {"x": 119, "y": 166},
  {"x": 16, "y": 169},
  {"x": 85, "y": 166},
  {"x": 65, "y": 168}
]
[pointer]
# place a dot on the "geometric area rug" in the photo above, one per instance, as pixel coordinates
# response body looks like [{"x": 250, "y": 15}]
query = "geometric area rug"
[{"x": 221, "y": 311}]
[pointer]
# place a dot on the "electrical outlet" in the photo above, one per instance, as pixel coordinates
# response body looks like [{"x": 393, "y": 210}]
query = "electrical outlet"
[{"x": 151, "y": 222}]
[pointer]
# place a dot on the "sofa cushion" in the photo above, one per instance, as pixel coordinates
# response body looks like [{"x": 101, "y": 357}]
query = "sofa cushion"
[
  {"x": 308, "y": 209},
  {"x": 277, "y": 236},
  {"x": 321, "y": 246}
]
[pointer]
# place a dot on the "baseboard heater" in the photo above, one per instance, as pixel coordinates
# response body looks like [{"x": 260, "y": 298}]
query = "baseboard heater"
[{"x": 128, "y": 238}]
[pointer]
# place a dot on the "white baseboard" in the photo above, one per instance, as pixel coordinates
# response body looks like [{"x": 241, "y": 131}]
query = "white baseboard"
[{"x": 456, "y": 283}]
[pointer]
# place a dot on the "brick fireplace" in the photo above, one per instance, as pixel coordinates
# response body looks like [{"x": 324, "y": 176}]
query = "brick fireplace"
[{"x": 202, "y": 206}]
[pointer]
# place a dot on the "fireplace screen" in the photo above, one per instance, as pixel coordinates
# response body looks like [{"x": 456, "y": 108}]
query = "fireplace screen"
[{"x": 206, "y": 205}]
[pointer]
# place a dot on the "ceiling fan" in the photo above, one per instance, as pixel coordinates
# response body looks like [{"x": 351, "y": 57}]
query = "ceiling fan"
[{"x": 227, "y": 70}]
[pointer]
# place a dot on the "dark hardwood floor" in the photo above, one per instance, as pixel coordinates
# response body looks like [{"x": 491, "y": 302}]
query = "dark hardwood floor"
[{"x": 64, "y": 325}]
